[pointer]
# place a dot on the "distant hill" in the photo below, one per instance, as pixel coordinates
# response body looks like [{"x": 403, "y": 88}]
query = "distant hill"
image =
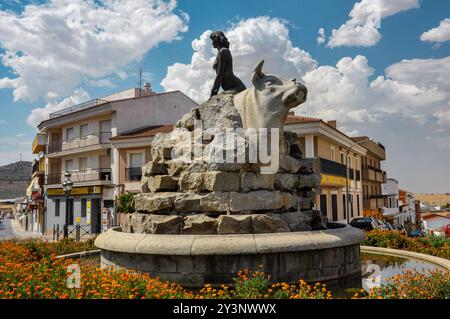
[
  {"x": 435, "y": 199},
  {"x": 14, "y": 179}
]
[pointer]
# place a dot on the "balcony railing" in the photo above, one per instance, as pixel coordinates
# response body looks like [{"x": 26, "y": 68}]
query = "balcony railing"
[
  {"x": 38, "y": 166},
  {"x": 80, "y": 142},
  {"x": 133, "y": 173},
  {"x": 332, "y": 168},
  {"x": 81, "y": 176},
  {"x": 78, "y": 107}
]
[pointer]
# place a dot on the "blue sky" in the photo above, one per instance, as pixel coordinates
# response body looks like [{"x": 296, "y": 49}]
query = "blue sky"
[{"x": 416, "y": 134}]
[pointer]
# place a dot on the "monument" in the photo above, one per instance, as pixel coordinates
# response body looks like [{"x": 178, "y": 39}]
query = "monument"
[{"x": 228, "y": 189}]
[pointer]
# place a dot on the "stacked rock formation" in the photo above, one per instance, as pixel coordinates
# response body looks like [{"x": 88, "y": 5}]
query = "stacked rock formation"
[{"x": 205, "y": 197}]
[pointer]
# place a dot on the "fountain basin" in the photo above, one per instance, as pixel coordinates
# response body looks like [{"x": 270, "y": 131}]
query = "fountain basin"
[{"x": 195, "y": 260}]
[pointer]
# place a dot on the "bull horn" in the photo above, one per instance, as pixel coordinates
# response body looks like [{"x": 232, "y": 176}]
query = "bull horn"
[{"x": 258, "y": 68}]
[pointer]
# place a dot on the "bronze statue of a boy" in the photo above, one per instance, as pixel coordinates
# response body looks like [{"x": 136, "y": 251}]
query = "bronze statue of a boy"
[{"x": 223, "y": 66}]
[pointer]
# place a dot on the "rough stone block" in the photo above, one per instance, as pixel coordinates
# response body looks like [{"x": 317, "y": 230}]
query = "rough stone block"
[
  {"x": 272, "y": 223},
  {"x": 154, "y": 202},
  {"x": 159, "y": 183},
  {"x": 254, "y": 181},
  {"x": 144, "y": 184},
  {"x": 215, "y": 202},
  {"x": 298, "y": 221},
  {"x": 176, "y": 167},
  {"x": 200, "y": 225},
  {"x": 154, "y": 168},
  {"x": 187, "y": 202},
  {"x": 289, "y": 164},
  {"x": 190, "y": 182},
  {"x": 234, "y": 224},
  {"x": 309, "y": 181},
  {"x": 220, "y": 181},
  {"x": 295, "y": 202},
  {"x": 287, "y": 182},
  {"x": 257, "y": 200},
  {"x": 161, "y": 224},
  {"x": 309, "y": 165}
]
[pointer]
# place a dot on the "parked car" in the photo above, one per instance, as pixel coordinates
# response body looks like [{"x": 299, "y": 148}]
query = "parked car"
[
  {"x": 416, "y": 233},
  {"x": 379, "y": 223},
  {"x": 447, "y": 231},
  {"x": 401, "y": 229},
  {"x": 365, "y": 223},
  {"x": 388, "y": 226}
]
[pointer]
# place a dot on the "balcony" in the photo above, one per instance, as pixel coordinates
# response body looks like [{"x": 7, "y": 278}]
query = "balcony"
[
  {"x": 81, "y": 176},
  {"x": 39, "y": 143},
  {"x": 332, "y": 168},
  {"x": 79, "y": 143},
  {"x": 38, "y": 167},
  {"x": 78, "y": 107},
  {"x": 133, "y": 174}
]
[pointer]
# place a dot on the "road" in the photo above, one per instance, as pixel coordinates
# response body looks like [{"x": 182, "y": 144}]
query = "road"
[{"x": 10, "y": 228}]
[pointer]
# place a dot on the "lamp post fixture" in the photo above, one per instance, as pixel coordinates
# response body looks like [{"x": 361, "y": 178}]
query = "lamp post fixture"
[
  {"x": 67, "y": 187},
  {"x": 348, "y": 149}
]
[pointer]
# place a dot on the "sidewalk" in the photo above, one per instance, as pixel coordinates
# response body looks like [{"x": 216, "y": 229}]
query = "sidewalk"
[{"x": 10, "y": 228}]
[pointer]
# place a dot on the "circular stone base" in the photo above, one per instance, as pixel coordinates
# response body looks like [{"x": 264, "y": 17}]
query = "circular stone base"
[{"x": 195, "y": 260}]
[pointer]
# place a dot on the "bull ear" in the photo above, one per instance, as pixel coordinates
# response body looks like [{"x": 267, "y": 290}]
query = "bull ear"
[{"x": 257, "y": 73}]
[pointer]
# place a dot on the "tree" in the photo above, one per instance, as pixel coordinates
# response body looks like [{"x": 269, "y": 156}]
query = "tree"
[{"x": 124, "y": 203}]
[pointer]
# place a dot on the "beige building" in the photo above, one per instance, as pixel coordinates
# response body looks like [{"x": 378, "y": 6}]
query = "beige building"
[
  {"x": 78, "y": 140},
  {"x": 335, "y": 150},
  {"x": 372, "y": 177}
]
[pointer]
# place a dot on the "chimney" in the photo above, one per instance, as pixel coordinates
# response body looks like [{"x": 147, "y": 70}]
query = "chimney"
[
  {"x": 332, "y": 123},
  {"x": 148, "y": 88}
]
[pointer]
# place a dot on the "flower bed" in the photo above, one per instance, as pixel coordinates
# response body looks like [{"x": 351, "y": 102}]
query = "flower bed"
[
  {"x": 29, "y": 269},
  {"x": 430, "y": 245}
]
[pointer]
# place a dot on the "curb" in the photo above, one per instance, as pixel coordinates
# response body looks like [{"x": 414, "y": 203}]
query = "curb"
[
  {"x": 80, "y": 254},
  {"x": 441, "y": 262}
]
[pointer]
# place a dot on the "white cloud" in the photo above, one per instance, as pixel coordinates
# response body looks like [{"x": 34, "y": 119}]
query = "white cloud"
[
  {"x": 321, "y": 36},
  {"x": 251, "y": 40},
  {"x": 438, "y": 34},
  {"x": 365, "y": 20},
  {"x": 53, "y": 47},
  {"x": 39, "y": 114}
]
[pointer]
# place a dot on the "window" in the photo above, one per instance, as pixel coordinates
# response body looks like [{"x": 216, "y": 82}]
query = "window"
[
  {"x": 356, "y": 164},
  {"x": 333, "y": 158},
  {"x": 70, "y": 134},
  {"x": 349, "y": 161},
  {"x": 57, "y": 207},
  {"x": 136, "y": 160},
  {"x": 83, "y": 130},
  {"x": 342, "y": 158},
  {"x": 82, "y": 164},
  {"x": 69, "y": 165},
  {"x": 83, "y": 207}
]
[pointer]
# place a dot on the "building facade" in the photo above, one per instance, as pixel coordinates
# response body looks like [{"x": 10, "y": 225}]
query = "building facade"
[
  {"x": 78, "y": 140},
  {"x": 391, "y": 210},
  {"x": 372, "y": 177},
  {"x": 335, "y": 150}
]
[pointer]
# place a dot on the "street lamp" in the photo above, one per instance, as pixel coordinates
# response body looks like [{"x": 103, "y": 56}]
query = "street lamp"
[
  {"x": 348, "y": 149},
  {"x": 67, "y": 187}
]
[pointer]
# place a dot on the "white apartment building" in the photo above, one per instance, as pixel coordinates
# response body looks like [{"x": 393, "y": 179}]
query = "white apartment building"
[
  {"x": 78, "y": 141},
  {"x": 391, "y": 211}
]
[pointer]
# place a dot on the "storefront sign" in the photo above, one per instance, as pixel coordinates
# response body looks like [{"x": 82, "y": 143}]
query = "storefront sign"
[
  {"x": 76, "y": 191},
  {"x": 88, "y": 212},
  {"x": 330, "y": 180}
]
